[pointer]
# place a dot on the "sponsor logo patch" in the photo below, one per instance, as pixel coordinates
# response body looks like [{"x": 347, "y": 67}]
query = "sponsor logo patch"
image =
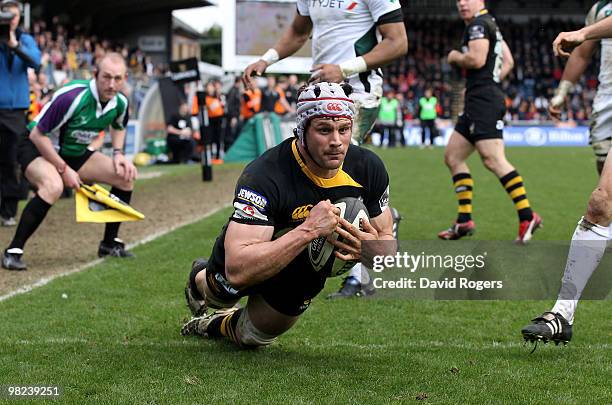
[
  {"x": 384, "y": 199},
  {"x": 252, "y": 197},
  {"x": 476, "y": 32},
  {"x": 246, "y": 211},
  {"x": 84, "y": 137}
]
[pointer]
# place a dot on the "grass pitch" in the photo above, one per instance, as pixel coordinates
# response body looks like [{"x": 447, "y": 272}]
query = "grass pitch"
[{"x": 111, "y": 334}]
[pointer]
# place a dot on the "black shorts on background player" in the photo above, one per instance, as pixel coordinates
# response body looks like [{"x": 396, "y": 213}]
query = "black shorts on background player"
[
  {"x": 484, "y": 107},
  {"x": 483, "y": 114},
  {"x": 276, "y": 190}
]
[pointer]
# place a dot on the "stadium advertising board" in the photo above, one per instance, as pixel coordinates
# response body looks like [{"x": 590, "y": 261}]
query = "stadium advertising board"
[{"x": 514, "y": 136}]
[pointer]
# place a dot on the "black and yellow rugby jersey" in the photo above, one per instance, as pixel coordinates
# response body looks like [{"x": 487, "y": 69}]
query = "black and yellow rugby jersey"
[
  {"x": 277, "y": 189},
  {"x": 483, "y": 26}
]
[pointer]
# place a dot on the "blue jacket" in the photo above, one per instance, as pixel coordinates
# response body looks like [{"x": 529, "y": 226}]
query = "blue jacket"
[{"x": 14, "y": 86}]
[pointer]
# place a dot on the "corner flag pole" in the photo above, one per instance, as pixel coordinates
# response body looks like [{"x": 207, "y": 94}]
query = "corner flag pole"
[{"x": 206, "y": 157}]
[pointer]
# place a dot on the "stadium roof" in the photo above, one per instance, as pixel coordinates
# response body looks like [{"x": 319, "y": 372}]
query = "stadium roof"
[{"x": 113, "y": 8}]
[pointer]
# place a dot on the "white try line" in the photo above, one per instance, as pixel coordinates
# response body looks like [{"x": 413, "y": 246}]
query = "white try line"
[
  {"x": 46, "y": 280},
  {"x": 418, "y": 344}
]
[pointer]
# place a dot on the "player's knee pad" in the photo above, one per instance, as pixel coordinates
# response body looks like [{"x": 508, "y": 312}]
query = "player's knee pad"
[{"x": 249, "y": 335}]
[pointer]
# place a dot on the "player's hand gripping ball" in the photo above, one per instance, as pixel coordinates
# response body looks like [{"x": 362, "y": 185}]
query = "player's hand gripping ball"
[{"x": 320, "y": 251}]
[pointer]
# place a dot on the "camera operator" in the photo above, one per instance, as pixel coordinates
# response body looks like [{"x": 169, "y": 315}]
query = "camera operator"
[{"x": 18, "y": 52}]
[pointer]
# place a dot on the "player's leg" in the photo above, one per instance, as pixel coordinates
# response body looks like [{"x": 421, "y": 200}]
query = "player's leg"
[
  {"x": 208, "y": 289},
  {"x": 43, "y": 176},
  {"x": 601, "y": 149},
  {"x": 457, "y": 151},
  {"x": 363, "y": 123},
  {"x": 600, "y": 134},
  {"x": 100, "y": 168},
  {"x": 494, "y": 158},
  {"x": 256, "y": 325},
  {"x": 592, "y": 235}
]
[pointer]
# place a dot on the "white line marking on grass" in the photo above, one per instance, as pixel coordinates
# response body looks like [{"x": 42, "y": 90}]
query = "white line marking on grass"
[
  {"x": 46, "y": 280},
  {"x": 438, "y": 344},
  {"x": 421, "y": 344}
]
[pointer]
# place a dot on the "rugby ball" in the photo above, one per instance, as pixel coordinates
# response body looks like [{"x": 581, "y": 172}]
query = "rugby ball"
[{"x": 320, "y": 251}]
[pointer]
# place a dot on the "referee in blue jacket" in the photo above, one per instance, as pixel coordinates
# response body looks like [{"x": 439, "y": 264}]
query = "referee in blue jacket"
[{"x": 18, "y": 52}]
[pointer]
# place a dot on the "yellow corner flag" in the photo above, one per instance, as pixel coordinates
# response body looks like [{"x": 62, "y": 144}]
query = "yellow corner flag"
[{"x": 96, "y": 204}]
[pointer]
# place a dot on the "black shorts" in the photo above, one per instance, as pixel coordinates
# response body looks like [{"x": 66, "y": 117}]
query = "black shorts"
[
  {"x": 288, "y": 293},
  {"x": 483, "y": 114},
  {"x": 27, "y": 152}
]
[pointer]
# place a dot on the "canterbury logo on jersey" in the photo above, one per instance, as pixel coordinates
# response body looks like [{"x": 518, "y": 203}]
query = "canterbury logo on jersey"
[{"x": 301, "y": 212}]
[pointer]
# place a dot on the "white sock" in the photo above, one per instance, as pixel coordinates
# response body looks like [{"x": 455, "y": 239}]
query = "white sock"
[
  {"x": 586, "y": 250},
  {"x": 362, "y": 275}
]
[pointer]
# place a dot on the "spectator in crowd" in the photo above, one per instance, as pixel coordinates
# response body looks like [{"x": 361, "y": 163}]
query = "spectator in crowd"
[
  {"x": 292, "y": 90},
  {"x": 250, "y": 103},
  {"x": 282, "y": 106},
  {"x": 269, "y": 95},
  {"x": 17, "y": 53},
  {"x": 180, "y": 136},
  {"x": 215, "y": 110},
  {"x": 232, "y": 111}
]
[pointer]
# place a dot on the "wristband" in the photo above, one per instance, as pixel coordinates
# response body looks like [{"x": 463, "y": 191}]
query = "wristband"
[
  {"x": 271, "y": 56},
  {"x": 565, "y": 87},
  {"x": 353, "y": 66},
  {"x": 117, "y": 151}
]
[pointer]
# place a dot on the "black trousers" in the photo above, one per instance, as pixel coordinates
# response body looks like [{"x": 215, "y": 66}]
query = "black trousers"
[
  {"x": 12, "y": 185},
  {"x": 215, "y": 135},
  {"x": 181, "y": 150},
  {"x": 433, "y": 131}
]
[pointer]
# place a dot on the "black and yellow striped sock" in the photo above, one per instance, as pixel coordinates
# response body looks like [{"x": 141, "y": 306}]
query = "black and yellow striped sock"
[
  {"x": 463, "y": 184},
  {"x": 225, "y": 326},
  {"x": 513, "y": 183}
]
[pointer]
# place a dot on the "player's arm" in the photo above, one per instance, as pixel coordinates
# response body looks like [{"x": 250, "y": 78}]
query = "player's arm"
[
  {"x": 290, "y": 42},
  {"x": 379, "y": 228},
  {"x": 566, "y": 41},
  {"x": 393, "y": 45},
  {"x": 576, "y": 65},
  {"x": 44, "y": 145},
  {"x": 251, "y": 256},
  {"x": 508, "y": 61},
  {"x": 474, "y": 58}
]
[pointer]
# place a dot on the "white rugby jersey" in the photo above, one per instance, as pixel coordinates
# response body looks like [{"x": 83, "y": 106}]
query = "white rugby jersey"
[
  {"x": 599, "y": 11},
  {"x": 345, "y": 29}
]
